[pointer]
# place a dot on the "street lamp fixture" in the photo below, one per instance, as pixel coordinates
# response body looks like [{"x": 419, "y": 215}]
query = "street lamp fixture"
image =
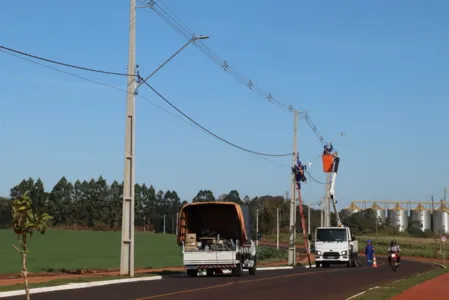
[{"x": 192, "y": 40}]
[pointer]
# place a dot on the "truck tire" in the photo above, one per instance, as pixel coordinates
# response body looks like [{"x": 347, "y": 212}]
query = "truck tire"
[
  {"x": 252, "y": 271},
  {"x": 238, "y": 270},
  {"x": 317, "y": 265},
  {"x": 192, "y": 273}
]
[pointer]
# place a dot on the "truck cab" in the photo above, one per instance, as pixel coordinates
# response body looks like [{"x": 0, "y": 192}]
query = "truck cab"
[{"x": 335, "y": 245}]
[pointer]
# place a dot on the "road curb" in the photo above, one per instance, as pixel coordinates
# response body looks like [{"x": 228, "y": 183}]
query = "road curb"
[{"x": 82, "y": 285}]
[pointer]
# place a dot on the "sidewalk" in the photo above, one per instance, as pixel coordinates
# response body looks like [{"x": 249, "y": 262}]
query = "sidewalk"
[{"x": 435, "y": 289}]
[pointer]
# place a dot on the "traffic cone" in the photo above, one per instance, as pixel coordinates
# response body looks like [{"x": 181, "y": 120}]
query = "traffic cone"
[{"x": 374, "y": 262}]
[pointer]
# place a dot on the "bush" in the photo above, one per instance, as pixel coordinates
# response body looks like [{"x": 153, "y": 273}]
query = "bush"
[{"x": 264, "y": 253}]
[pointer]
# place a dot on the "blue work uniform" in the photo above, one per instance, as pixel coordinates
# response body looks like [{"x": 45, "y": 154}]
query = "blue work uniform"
[{"x": 369, "y": 253}]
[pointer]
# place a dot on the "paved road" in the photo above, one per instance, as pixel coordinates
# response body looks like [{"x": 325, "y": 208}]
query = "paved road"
[{"x": 331, "y": 283}]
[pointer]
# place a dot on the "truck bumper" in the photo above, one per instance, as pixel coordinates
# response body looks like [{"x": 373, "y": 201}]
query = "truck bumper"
[
  {"x": 334, "y": 260},
  {"x": 210, "y": 266}
]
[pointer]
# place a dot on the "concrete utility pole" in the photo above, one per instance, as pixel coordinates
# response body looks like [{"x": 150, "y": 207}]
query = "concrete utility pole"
[
  {"x": 257, "y": 226},
  {"x": 164, "y": 224},
  {"x": 177, "y": 222},
  {"x": 277, "y": 228},
  {"x": 292, "y": 240},
  {"x": 127, "y": 247}
]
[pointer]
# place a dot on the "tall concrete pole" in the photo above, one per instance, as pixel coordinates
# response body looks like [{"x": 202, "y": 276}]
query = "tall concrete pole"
[
  {"x": 257, "y": 226},
  {"x": 277, "y": 228},
  {"x": 177, "y": 222},
  {"x": 164, "y": 224},
  {"x": 292, "y": 240},
  {"x": 127, "y": 243}
]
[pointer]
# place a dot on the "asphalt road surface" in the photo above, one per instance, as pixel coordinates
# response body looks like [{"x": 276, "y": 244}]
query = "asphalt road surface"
[{"x": 329, "y": 283}]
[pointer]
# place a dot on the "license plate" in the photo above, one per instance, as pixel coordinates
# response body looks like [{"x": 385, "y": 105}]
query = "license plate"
[{"x": 331, "y": 257}]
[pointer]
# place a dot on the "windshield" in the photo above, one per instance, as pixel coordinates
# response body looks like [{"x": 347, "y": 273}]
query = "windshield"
[{"x": 331, "y": 235}]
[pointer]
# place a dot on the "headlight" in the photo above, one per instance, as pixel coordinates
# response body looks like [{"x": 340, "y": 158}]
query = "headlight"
[
  {"x": 344, "y": 252},
  {"x": 318, "y": 253}
]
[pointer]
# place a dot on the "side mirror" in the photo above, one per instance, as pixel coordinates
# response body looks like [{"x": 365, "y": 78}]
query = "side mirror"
[
  {"x": 310, "y": 237},
  {"x": 352, "y": 237},
  {"x": 259, "y": 235}
]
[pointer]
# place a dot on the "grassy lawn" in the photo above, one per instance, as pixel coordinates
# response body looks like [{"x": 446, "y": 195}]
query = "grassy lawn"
[
  {"x": 389, "y": 290},
  {"x": 64, "y": 249},
  {"x": 58, "y": 249}
]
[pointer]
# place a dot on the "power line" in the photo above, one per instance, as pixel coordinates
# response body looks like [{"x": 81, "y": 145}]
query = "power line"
[
  {"x": 182, "y": 29},
  {"x": 313, "y": 178},
  {"x": 198, "y": 126},
  {"x": 207, "y": 130},
  {"x": 173, "y": 21},
  {"x": 99, "y": 83},
  {"x": 63, "y": 64}
]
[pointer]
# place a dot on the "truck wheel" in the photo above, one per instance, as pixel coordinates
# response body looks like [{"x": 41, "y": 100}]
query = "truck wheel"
[
  {"x": 192, "y": 273},
  {"x": 317, "y": 265},
  {"x": 238, "y": 270},
  {"x": 349, "y": 263},
  {"x": 252, "y": 271},
  {"x": 210, "y": 272}
]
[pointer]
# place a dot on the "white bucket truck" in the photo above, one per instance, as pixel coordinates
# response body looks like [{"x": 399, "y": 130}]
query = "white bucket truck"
[{"x": 335, "y": 245}]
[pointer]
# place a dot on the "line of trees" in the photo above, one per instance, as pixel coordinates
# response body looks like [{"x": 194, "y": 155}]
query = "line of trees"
[{"x": 96, "y": 205}]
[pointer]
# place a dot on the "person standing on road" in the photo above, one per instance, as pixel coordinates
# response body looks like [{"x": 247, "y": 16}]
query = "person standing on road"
[{"x": 369, "y": 252}]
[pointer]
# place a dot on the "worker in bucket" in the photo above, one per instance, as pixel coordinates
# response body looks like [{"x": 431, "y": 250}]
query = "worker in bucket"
[
  {"x": 369, "y": 252},
  {"x": 328, "y": 149}
]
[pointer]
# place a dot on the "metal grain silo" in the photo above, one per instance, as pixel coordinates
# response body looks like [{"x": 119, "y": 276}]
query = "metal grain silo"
[
  {"x": 380, "y": 212},
  {"x": 398, "y": 217},
  {"x": 351, "y": 209},
  {"x": 442, "y": 219},
  {"x": 422, "y": 215}
]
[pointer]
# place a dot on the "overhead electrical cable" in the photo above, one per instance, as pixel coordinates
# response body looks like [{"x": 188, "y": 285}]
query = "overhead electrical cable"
[
  {"x": 162, "y": 97},
  {"x": 102, "y": 84},
  {"x": 173, "y": 21},
  {"x": 64, "y": 64},
  {"x": 207, "y": 130}
]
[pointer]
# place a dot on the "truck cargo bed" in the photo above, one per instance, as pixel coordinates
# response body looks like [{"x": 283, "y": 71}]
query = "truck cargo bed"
[{"x": 210, "y": 258}]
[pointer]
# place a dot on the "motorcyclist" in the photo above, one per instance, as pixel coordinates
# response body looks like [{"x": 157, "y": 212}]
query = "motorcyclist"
[{"x": 394, "y": 248}]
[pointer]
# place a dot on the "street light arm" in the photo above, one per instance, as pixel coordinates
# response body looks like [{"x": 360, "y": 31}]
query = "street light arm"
[{"x": 165, "y": 62}]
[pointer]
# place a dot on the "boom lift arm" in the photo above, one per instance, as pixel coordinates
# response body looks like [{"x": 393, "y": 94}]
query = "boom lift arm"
[{"x": 335, "y": 165}]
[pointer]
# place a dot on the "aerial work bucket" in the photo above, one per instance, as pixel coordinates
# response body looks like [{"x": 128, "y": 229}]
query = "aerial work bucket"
[{"x": 328, "y": 160}]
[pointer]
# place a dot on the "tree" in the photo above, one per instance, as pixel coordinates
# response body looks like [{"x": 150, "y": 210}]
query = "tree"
[
  {"x": 24, "y": 222},
  {"x": 233, "y": 196},
  {"x": 204, "y": 196}
]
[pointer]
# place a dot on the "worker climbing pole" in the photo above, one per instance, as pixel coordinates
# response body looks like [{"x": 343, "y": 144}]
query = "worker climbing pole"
[
  {"x": 298, "y": 171},
  {"x": 331, "y": 162}
]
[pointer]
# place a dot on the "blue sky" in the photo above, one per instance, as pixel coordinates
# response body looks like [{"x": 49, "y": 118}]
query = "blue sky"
[{"x": 377, "y": 70}]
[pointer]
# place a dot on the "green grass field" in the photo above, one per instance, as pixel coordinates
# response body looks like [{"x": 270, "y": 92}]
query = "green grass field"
[
  {"x": 71, "y": 250},
  {"x": 58, "y": 249}
]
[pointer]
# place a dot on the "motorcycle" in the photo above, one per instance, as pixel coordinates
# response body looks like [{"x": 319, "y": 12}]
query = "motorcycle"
[{"x": 394, "y": 261}]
